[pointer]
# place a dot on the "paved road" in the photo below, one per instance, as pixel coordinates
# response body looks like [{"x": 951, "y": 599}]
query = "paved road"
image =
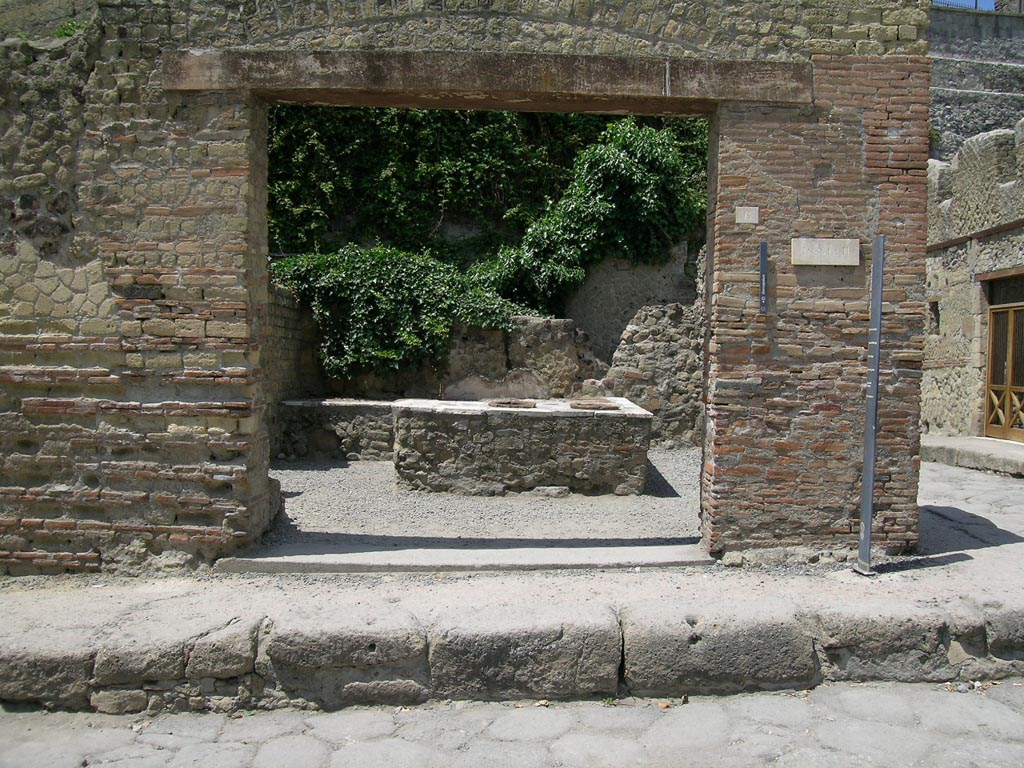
[{"x": 838, "y": 725}]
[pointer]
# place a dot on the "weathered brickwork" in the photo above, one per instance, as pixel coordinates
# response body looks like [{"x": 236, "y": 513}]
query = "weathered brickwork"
[
  {"x": 136, "y": 332},
  {"x": 980, "y": 189},
  {"x": 785, "y": 389}
]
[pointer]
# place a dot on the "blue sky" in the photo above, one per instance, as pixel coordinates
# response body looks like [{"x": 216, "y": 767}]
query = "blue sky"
[{"x": 985, "y": 5}]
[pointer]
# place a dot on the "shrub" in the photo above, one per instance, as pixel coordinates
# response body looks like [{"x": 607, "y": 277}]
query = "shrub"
[{"x": 382, "y": 309}]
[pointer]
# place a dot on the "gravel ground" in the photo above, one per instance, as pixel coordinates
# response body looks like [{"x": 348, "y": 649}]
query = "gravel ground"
[{"x": 362, "y": 500}]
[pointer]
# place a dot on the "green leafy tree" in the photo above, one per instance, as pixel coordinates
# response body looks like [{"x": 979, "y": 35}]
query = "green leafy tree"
[{"x": 633, "y": 195}]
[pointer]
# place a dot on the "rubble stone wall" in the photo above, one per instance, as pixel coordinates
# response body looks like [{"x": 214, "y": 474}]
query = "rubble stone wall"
[
  {"x": 659, "y": 365},
  {"x": 981, "y": 188},
  {"x": 615, "y": 290},
  {"x": 41, "y": 17},
  {"x": 134, "y": 412},
  {"x": 334, "y": 429},
  {"x": 478, "y": 450},
  {"x": 978, "y": 75}
]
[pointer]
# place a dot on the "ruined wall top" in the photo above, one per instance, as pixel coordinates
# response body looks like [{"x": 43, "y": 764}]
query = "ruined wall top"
[
  {"x": 982, "y": 187},
  {"x": 731, "y": 29}
]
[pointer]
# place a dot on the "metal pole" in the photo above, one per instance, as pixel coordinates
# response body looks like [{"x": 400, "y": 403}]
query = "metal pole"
[
  {"x": 867, "y": 487},
  {"x": 764, "y": 277}
]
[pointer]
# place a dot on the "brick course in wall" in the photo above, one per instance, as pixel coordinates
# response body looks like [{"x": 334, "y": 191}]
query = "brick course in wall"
[{"x": 136, "y": 331}]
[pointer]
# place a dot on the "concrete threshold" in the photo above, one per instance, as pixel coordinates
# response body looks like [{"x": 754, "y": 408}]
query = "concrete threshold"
[{"x": 299, "y": 559}]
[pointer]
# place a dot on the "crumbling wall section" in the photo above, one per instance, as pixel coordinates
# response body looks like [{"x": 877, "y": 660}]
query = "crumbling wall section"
[
  {"x": 615, "y": 290},
  {"x": 981, "y": 188},
  {"x": 659, "y": 365}
]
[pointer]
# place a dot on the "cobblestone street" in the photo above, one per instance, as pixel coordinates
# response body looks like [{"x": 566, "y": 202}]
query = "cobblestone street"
[{"x": 834, "y": 725}]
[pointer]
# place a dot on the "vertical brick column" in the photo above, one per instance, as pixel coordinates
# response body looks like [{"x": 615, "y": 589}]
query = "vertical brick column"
[{"x": 786, "y": 389}]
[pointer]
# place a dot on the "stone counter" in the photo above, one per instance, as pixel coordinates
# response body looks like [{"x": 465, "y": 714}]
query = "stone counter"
[{"x": 476, "y": 448}]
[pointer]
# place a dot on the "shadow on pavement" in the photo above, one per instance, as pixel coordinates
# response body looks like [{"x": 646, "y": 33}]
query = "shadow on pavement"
[
  {"x": 950, "y": 529},
  {"x": 321, "y": 542},
  {"x": 916, "y": 563}
]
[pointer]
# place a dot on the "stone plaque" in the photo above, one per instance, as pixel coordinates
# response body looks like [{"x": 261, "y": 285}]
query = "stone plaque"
[
  {"x": 825, "y": 252},
  {"x": 748, "y": 214}
]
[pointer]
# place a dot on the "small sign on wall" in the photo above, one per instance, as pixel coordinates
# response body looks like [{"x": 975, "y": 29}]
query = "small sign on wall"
[
  {"x": 746, "y": 214},
  {"x": 825, "y": 252}
]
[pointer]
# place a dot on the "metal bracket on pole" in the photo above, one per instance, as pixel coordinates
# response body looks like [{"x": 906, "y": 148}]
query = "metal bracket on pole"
[{"x": 867, "y": 491}]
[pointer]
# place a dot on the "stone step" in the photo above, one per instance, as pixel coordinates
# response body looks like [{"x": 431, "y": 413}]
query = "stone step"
[{"x": 383, "y": 558}]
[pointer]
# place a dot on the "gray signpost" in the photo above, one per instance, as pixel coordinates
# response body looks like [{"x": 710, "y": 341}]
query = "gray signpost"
[{"x": 867, "y": 492}]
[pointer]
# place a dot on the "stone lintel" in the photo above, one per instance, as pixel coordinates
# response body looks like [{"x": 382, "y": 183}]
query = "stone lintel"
[{"x": 523, "y": 81}]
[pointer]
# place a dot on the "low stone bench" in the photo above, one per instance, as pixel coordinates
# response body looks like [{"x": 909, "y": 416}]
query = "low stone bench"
[{"x": 479, "y": 448}]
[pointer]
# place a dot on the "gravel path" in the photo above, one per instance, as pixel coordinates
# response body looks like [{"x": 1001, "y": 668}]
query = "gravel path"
[{"x": 362, "y": 500}]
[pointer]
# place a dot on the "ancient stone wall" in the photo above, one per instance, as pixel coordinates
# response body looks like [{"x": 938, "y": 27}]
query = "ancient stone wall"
[
  {"x": 481, "y": 450},
  {"x": 142, "y": 425},
  {"x": 978, "y": 75},
  {"x": 292, "y": 370},
  {"x": 334, "y": 429},
  {"x": 659, "y": 365},
  {"x": 616, "y": 289},
  {"x": 37, "y": 18},
  {"x": 980, "y": 189},
  {"x": 538, "y": 357}
]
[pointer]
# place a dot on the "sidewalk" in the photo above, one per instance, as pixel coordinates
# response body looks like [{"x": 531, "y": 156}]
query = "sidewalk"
[{"x": 225, "y": 641}]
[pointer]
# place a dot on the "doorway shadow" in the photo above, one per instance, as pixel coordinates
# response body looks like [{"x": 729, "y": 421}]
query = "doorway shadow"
[
  {"x": 947, "y": 530},
  {"x": 295, "y": 541}
]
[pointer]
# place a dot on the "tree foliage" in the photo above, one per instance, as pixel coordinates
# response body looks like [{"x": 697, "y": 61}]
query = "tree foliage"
[
  {"x": 375, "y": 199},
  {"x": 632, "y": 196}
]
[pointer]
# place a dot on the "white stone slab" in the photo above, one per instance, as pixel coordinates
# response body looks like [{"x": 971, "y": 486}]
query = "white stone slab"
[
  {"x": 825, "y": 252},
  {"x": 368, "y": 559},
  {"x": 746, "y": 214},
  {"x": 541, "y": 408}
]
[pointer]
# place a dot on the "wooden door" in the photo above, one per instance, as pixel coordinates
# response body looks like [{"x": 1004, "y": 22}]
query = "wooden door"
[{"x": 1004, "y": 415}]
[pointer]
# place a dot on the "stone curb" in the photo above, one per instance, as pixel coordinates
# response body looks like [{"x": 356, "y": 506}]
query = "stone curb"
[
  {"x": 969, "y": 454},
  {"x": 320, "y": 659}
]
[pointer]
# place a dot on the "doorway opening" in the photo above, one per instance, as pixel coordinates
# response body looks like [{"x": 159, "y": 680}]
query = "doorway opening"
[
  {"x": 1004, "y": 391},
  {"x": 465, "y": 189}
]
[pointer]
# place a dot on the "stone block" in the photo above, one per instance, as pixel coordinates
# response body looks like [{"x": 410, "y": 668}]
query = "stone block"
[
  {"x": 138, "y": 661},
  {"x": 119, "y": 702},
  {"x": 885, "y": 641},
  {"x": 352, "y": 659},
  {"x": 57, "y": 677},
  {"x": 514, "y": 651},
  {"x": 227, "y": 652},
  {"x": 671, "y": 648}
]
